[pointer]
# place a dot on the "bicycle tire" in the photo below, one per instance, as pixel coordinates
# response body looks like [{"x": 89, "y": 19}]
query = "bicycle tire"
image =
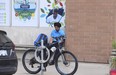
[
  {"x": 68, "y": 61},
  {"x": 30, "y": 51}
]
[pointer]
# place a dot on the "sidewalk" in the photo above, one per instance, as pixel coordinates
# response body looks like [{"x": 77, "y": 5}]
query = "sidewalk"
[
  {"x": 93, "y": 69},
  {"x": 83, "y": 69}
]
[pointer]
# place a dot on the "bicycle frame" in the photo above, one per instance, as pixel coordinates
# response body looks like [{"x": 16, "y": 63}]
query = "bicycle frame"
[{"x": 41, "y": 48}]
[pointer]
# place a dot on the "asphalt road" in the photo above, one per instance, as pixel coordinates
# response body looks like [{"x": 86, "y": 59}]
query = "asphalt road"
[{"x": 83, "y": 69}]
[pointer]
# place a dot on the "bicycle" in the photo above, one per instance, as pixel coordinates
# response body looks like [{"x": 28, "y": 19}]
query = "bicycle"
[{"x": 65, "y": 62}]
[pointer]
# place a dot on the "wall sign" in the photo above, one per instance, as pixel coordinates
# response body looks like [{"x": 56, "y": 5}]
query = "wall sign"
[
  {"x": 4, "y": 12},
  {"x": 24, "y": 12}
]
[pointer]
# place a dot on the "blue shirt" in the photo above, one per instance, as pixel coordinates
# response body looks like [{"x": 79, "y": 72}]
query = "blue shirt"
[{"x": 55, "y": 34}]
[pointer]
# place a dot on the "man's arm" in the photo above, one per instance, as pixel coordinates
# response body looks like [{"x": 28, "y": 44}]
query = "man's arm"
[
  {"x": 51, "y": 39},
  {"x": 47, "y": 20}
]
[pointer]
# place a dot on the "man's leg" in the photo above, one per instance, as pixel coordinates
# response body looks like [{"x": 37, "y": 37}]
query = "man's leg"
[{"x": 54, "y": 57}]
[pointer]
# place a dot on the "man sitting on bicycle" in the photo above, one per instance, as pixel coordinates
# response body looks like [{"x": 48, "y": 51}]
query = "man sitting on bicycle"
[{"x": 55, "y": 37}]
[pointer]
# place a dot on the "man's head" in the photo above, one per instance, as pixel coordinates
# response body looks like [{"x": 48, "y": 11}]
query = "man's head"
[
  {"x": 55, "y": 12},
  {"x": 57, "y": 26}
]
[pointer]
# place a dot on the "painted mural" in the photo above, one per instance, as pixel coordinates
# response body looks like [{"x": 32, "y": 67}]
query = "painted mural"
[
  {"x": 24, "y": 11},
  {"x": 48, "y": 9}
]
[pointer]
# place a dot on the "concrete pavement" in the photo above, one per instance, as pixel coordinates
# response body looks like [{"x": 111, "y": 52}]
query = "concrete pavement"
[{"x": 83, "y": 69}]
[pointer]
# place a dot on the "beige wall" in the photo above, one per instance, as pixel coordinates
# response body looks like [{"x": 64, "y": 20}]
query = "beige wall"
[
  {"x": 90, "y": 28},
  {"x": 25, "y": 35}
]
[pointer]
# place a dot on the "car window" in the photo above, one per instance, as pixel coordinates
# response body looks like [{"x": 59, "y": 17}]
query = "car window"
[{"x": 4, "y": 38}]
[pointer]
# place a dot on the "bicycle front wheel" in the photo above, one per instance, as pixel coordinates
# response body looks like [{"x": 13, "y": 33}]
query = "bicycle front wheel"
[
  {"x": 29, "y": 62},
  {"x": 66, "y": 63}
]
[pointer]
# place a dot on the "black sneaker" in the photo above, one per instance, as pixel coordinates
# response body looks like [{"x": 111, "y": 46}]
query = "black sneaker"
[
  {"x": 51, "y": 62},
  {"x": 44, "y": 69}
]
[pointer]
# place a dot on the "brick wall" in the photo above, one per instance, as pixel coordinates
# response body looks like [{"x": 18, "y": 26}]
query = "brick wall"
[{"x": 90, "y": 27}]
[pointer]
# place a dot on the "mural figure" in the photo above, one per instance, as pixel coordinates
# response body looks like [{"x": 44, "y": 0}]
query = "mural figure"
[
  {"x": 55, "y": 15},
  {"x": 52, "y": 11}
]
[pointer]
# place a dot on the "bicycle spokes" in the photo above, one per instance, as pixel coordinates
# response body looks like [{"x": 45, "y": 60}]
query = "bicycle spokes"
[
  {"x": 29, "y": 62},
  {"x": 66, "y": 63}
]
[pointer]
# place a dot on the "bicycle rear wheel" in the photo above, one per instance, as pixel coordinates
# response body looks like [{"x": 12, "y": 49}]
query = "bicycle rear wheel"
[
  {"x": 29, "y": 62},
  {"x": 66, "y": 63}
]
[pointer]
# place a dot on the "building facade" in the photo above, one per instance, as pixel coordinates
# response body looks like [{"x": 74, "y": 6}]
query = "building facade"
[{"x": 91, "y": 27}]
